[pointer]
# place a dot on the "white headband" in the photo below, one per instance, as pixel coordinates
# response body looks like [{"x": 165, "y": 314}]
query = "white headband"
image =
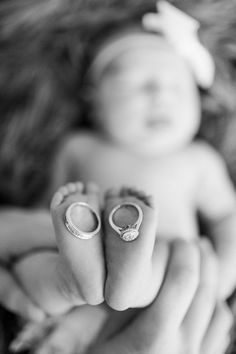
[{"x": 178, "y": 28}]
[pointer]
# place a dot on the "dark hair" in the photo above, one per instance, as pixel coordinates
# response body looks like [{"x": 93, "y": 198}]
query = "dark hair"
[{"x": 45, "y": 50}]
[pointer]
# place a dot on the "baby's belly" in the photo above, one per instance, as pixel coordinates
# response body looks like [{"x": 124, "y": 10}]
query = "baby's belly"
[{"x": 176, "y": 213}]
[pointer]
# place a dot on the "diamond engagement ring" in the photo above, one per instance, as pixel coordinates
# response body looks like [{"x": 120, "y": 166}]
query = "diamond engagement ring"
[
  {"x": 73, "y": 228},
  {"x": 128, "y": 232}
]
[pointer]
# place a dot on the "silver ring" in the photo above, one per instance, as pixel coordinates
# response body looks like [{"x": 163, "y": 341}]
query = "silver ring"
[
  {"x": 73, "y": 229},
  {"x": 129, "y": 232}
]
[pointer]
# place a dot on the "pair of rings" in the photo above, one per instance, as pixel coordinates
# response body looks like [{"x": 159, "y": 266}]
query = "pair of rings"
[{"x": 127, "y": 232}]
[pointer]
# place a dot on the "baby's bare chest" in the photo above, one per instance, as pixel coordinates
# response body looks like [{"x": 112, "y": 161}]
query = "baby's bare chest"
[{"x": 172, "y": 183}]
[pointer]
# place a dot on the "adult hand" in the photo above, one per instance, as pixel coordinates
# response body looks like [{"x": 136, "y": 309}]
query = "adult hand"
[
  {"x": 178, "y": 305},
  {"x": 21, "y": 232},
  {"x": 184, "y": 318}
]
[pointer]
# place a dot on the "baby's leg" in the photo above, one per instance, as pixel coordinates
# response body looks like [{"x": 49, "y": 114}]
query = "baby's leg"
[
  {"x": 83, "y": 258},
  {"x": 58, "y": 282},
  {"x": 134, "y": 269}
]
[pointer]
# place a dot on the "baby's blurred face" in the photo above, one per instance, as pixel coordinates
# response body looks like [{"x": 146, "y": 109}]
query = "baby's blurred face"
[{"x": 148, "y": 101}]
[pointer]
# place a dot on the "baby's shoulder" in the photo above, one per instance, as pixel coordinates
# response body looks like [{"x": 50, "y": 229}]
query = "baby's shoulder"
[
  {"x": 203, "y": 151},
  {"x": 205, "y": 156}
]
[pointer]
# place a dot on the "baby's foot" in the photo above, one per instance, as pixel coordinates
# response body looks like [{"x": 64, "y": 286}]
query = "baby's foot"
[
  {"x": 129, "y": 264},
  {"x": 83, "y": 258}
]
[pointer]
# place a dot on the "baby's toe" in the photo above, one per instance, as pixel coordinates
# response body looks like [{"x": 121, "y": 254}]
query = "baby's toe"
[
  {"x": 63, "y": 193},
  {"x": 138, "y": 194}
]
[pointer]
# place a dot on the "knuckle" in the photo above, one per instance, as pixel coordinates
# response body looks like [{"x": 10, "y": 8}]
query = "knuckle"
[
  {"x": 117, "y": 303},
  {"x": 186, "y": 269},
  {"x": 92, "y": 291},
  {"x": 208, "y": 289},
  {"x": 209, "y": 271},
  {"x": 116, "y": 299},
  {"x": 209, "y": 283},
  {"x": 96, "y": 298},
  {"x": 92, "y": 294},
  {"x": 185, "y": 276},
  {"x": 117, "y": 296},
  {"x": 209, "y": 296}
]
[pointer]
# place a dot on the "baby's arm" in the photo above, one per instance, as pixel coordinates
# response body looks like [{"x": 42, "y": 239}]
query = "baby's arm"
[{"x": 217, "y": 205}]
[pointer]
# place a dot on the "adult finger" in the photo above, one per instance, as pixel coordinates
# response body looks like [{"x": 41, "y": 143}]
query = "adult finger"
[
  {"x": 200, "y": 312},
  {"x": 14, "y": 299},
  {"x": 217, "y": 337},
  {"x": 152, "y": 329}
]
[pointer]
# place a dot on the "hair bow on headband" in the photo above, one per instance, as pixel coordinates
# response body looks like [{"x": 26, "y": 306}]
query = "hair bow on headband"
[{"x": 181, "y": 30}]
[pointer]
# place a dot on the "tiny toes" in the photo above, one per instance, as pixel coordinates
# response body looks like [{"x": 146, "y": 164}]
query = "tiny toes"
[
  {"x": 57, "y": 200},
  {"x": 79, "y": 187},
  {"x": 142, "y": 196},
  {"x": 91, "y": 188},
  {"x": 112, "y": 193},
  {"x": 85, "y": 213},
  {"x": 71, "y": 187},
  {"x": 64, "y": 191}
]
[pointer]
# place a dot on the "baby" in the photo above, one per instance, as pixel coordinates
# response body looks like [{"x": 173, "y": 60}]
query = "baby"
[
  {"x": 142, "y": 93},
  {"x": 142, "y": 89}
]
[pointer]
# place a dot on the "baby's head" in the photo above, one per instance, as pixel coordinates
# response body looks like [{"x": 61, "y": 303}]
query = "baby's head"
[{"x": 144, "y": 93}]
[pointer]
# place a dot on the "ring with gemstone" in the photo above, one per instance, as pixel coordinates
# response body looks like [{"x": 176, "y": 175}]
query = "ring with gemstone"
[
  {"x": 73, "y": 228},
  {"x": 131, "y": 231}
]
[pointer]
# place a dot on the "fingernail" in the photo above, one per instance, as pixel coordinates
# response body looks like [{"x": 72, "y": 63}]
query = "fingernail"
[{"x": 18, "y": 345}]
